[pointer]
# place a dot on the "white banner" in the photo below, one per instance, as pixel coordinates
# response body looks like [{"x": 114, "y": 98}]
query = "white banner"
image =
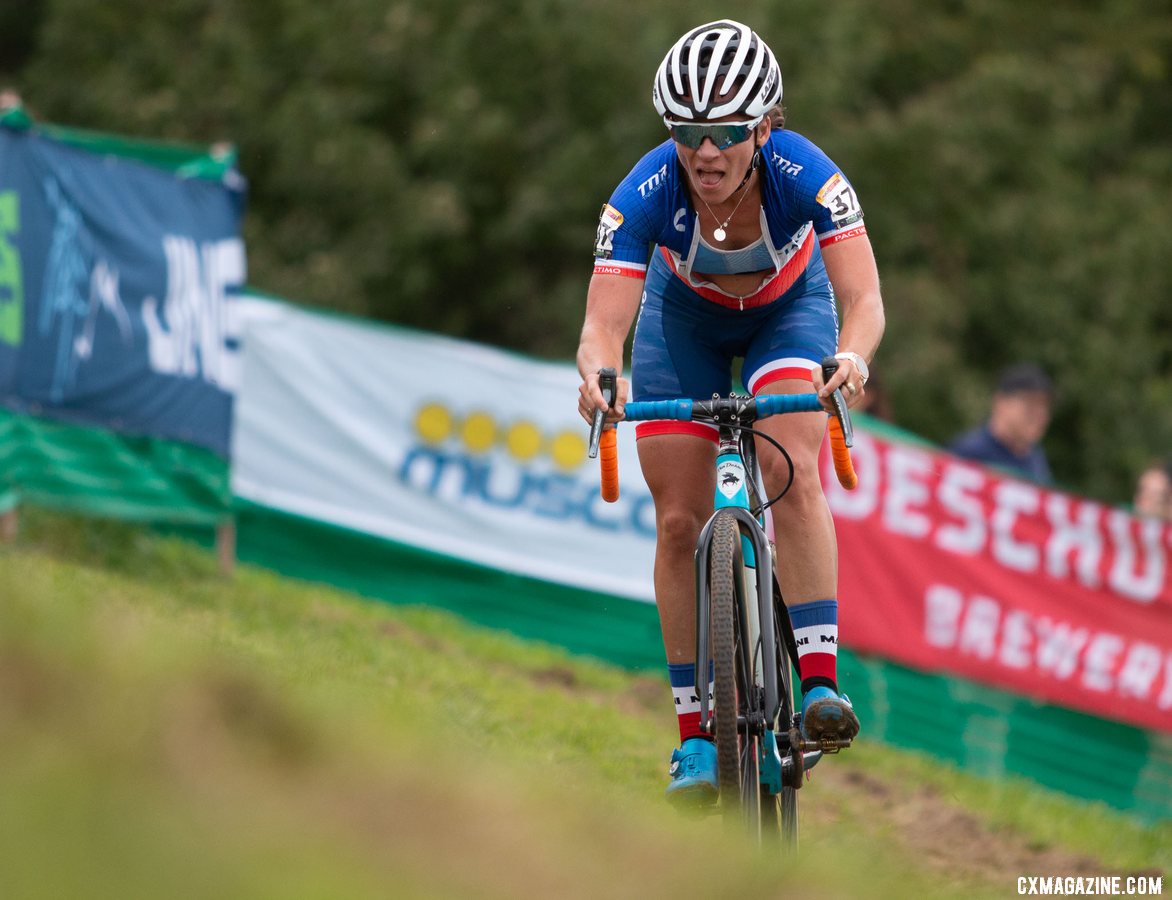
[{"x": 461, "y": 449}]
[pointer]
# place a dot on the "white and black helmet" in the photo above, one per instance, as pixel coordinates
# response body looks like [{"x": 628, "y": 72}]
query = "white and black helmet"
[{"x": 719, "y": 69}]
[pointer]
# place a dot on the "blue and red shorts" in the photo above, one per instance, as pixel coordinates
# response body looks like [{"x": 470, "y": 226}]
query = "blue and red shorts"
[{"x": 685, "y": 344}]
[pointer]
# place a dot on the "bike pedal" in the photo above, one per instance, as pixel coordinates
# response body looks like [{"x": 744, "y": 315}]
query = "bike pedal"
[{"x": 827, "y": 744}]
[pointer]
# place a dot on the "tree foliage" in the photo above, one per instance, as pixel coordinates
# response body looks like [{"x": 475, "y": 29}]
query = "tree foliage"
[{"x": 441, "y": 165}]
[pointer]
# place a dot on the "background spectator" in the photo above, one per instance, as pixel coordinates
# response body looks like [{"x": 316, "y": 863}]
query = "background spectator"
[
  {"x": 1153, "y": 491},
  {"x": 1019, "y": 416}
]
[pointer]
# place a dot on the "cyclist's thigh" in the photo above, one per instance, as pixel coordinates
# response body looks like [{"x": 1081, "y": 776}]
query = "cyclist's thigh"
[
  {"x": 800, "y": 433},
  {"x": 679, "y": 469},
  {"x": 780, "y": 360},
  {"x": 792, "y": 339}
]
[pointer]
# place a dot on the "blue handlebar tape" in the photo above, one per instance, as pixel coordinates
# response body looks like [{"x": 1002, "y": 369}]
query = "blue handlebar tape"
[
  {"x": 645, "y": 411},
  {"x": 681, "y": 410},
  {"x": 772, "y": 404}
]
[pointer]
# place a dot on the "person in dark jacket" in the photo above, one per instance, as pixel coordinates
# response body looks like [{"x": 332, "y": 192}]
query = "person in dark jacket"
[{"x": 1011, "y": 438}]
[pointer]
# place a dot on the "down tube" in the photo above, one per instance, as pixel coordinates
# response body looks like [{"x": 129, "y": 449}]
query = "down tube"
[{"x": 732, "y": 495}]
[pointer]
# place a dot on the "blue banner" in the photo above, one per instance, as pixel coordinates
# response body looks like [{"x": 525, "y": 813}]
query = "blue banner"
[{"x": 118, "y": 288}]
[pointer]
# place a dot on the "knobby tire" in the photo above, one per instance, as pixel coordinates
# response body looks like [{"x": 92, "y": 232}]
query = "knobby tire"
[{"x": 737, "y": 753}]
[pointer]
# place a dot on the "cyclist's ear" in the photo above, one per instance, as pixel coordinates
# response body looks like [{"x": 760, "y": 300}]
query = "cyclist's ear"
[{"x": 764, "y": 127}]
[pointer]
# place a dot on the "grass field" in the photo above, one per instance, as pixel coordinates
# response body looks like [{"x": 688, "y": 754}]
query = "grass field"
[{"x": 166, "y": 732}]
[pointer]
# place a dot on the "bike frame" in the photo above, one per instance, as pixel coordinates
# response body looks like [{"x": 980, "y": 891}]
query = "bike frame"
[
  {"x": 740, "y": 493},
  {"x": 762, "y": 625}
]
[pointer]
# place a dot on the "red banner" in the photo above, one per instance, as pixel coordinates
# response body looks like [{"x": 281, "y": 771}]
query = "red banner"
[{"x": 948, "y": 566}]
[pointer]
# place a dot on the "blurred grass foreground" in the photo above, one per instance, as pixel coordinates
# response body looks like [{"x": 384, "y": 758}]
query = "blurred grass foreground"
[{"x": 167, "y": 732}]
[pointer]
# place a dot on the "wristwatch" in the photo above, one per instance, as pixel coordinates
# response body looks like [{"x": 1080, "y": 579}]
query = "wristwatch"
[{"x": 859, "y": 362}]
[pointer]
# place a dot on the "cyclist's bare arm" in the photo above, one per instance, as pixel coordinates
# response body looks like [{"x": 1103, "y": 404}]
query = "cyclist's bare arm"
[
  {"x": 611, "y": 304},
  {"x": 852, "y": 270}
]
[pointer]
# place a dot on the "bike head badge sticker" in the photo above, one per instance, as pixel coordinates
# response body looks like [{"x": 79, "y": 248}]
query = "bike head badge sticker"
[{"x": 730, "y": 476}]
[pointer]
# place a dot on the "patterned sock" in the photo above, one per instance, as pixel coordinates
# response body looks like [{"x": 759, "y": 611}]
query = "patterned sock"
[
  {"x": 816, "y": 629},
  {"x": 683, "y": 689}
]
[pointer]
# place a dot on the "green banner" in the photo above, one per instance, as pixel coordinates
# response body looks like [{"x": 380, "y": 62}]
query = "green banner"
[
  {"x": 98, "y": 472},
  {"x": 184, "y": 160}
]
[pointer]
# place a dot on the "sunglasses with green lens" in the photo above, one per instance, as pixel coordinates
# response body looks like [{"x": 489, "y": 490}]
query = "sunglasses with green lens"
[{"x": 722, "y": 134}]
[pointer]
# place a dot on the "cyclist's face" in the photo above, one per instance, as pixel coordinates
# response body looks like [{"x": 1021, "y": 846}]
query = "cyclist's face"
[{"x": 716, "y": 173}]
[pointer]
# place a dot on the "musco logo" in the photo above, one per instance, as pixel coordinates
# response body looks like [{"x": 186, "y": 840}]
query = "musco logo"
[{"x": 730, "y": 475}]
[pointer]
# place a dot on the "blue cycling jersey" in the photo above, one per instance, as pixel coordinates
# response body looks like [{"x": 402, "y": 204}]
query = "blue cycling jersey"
[
  {"x": 805, "y": 198},
  {"x": 690, "y": 330}
]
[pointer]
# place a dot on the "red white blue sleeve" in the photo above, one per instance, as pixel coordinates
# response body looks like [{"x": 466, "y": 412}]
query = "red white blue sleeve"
[{"x": 634, "y": 217}]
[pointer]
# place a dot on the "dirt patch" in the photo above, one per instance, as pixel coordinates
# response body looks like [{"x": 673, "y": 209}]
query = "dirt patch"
[
  {"x": 396, "y": 631},
  {"x": 649, "y": 694},
  {"x": 951, "y": 843},
  {"x": 645, "y": 695},
  {"x": 559, "y": 676},
  {"x": 27, "y": 685}
]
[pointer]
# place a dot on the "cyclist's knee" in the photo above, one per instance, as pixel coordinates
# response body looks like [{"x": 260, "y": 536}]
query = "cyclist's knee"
[
  {"x": 805, "y": 487},
  {"x": 678, "y": 525}
]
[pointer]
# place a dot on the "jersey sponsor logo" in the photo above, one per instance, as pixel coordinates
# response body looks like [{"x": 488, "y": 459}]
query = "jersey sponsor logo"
[
  {"x": 648, "y": 187},
  {"x": 608, "y": 223},
  {"x": 630, "y": 270},
  {"x": 839, "y": 197},
  {"x": 843, "y": 235},
  {"x": 786, "y": 166},
  {"x": 678, "y": 220}
]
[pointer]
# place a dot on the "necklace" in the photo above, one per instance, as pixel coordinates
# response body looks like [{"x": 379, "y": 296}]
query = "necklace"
[{"x": 720, "y": 234}]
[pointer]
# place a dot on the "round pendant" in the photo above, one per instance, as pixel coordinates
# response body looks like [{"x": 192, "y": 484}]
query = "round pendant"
[{"x": 720, "y": 234}]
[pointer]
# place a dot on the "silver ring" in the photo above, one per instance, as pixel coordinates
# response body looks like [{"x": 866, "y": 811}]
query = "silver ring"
[{"x": 850, "y": 387}]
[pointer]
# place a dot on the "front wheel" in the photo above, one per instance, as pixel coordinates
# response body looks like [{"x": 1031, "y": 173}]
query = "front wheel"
[{"x": 737, "y": 746}]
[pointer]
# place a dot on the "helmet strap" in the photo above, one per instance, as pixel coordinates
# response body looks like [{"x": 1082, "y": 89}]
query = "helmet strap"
[{"x": 754, "y": 164}]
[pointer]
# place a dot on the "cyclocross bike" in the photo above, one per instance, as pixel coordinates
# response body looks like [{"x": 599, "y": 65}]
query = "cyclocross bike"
[{"x": 743, "y": 626}]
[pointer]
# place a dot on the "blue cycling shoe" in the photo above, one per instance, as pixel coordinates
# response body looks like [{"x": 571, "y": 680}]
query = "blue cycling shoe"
[
  {"x": 826, "y": 714},
  {"x": 693, "y": 774}
]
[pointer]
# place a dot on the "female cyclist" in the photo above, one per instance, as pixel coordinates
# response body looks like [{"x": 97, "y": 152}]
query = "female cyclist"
[{"x": 754, "y": 235}]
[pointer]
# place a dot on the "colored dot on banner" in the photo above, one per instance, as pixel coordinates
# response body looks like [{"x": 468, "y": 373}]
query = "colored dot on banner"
[
  {"x": 523, "y": 440},
  {"x": 479, "y": 432},
  {"x": 568, "y": 449},
  {"x": 434, "y": 423}
]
